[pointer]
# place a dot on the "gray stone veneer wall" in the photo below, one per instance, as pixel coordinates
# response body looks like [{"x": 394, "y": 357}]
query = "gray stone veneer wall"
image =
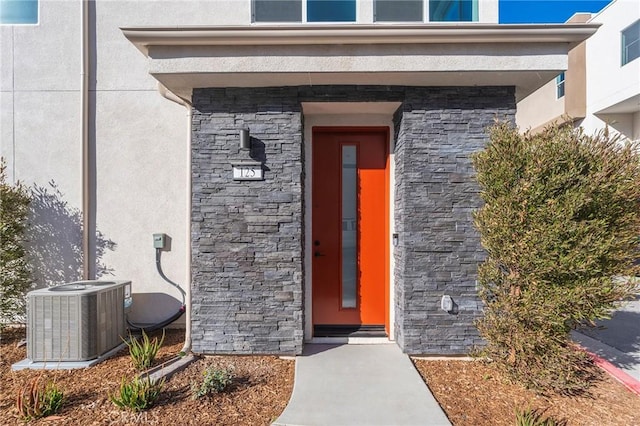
[
  {"x": 436, "y": 193},
  {"x": 247, "y": 237},
  {"x": 247, "y": 254}
]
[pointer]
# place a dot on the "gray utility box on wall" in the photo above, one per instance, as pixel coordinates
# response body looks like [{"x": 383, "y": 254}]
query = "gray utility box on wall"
[{"x": 77, "y": 321}]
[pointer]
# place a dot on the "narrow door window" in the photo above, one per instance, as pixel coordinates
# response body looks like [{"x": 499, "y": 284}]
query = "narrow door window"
[{"x": 349, "y": 226}]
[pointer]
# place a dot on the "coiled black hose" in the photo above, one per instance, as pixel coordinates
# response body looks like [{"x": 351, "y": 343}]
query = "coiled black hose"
[{"x": 147, "y": 329}]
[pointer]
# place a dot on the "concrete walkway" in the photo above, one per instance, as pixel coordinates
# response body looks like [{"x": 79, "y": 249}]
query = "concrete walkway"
[
  {"x": 359, "y": 385},
  {"x": 617, "y": 340}
]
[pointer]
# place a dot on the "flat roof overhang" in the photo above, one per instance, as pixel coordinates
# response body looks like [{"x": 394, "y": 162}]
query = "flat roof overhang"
[
  {"x": 630, "y": 105},
  {"x": 524, "y": 56}
]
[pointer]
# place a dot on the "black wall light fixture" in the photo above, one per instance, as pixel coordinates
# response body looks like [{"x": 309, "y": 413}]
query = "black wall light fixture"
[
  {"x": 246, "y": 169},
  {"x": 245, "y": 138}
]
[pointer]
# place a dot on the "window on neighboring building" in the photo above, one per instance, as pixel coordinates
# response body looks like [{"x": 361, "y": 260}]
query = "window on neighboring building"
[
  {"x": 292, "y": 10},
  {"x": 398, "y": 10},
  {"x": 18, "y": 12},
  {"x": 560, "y": 85},
  {"x": 453, "y": 10},
  {"x": 631, "y": 43}
]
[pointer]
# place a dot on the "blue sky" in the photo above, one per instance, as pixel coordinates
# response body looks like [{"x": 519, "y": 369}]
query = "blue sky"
[{"x": 545, "y": 11}]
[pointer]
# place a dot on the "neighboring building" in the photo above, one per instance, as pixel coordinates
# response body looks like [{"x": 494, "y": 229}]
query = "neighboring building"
[
  {"x": 313, "y": 170},
  {"x": 562, "y": 99},
  {"x": 602, "y": 83}
]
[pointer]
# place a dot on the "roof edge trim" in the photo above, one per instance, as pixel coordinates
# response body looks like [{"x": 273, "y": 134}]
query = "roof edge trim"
[{"x": 263, "y": 35}]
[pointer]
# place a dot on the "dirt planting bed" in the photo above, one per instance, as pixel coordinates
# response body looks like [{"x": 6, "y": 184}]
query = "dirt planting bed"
[
  {"x": 259, "y": 393},
  {"x": 473, "y": 393}
]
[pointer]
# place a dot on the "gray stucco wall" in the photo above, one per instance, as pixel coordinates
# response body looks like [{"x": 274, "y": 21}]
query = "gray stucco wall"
[{"x": 247, "y": 237}]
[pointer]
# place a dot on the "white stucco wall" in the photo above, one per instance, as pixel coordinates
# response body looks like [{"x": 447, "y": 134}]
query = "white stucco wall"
[
  {"x": 40, "y": 94},
  {"x": 141, "y": 142},
  {"x": 40, "y": 133},
  {"x": 612, "y": 89},
  {"x": 145, "y": 138}
]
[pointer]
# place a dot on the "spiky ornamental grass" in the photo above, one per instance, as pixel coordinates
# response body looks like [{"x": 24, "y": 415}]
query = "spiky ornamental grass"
[
  {"x": 560, "y": 225},
  {"x": 137, "y": 394},
  {"x": 530, "y": 417},
  {"x": 143, "y": 353}
]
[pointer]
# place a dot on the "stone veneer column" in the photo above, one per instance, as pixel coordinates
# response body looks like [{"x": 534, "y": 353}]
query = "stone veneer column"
[
  {"x": 247, "y": 252},
  {"x": 436, "y": 193},
  {"x": 247, "y": 237}
]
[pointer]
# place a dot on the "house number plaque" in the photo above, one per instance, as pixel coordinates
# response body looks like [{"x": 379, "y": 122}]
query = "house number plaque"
[{"x": 247, "y": 172}]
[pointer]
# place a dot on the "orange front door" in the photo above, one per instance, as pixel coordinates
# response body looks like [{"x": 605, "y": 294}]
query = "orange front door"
[{"x": 350, "y": 226}]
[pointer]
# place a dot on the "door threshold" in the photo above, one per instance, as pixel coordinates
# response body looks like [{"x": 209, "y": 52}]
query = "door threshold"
[
  {"x": 346, "y": 340},
  {"x": 348, "y": 330}
]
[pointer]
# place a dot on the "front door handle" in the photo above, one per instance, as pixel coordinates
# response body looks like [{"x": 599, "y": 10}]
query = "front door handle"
[{"x": 318, "y": 254}]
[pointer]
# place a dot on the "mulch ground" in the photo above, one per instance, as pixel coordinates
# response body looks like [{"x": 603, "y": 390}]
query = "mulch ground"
[
  {"x": 473, "y": 393},
  {"x": 260, "y": 390}
]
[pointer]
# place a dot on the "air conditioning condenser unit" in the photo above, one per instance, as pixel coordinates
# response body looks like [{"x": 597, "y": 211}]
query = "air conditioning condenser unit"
[{"x": 77, "y": 321}]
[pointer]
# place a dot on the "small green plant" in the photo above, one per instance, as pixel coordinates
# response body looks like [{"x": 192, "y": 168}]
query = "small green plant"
[
  {"x": 137, "y": 394},
  {"x": 144, "y": 352},
  {"x": 35, "y": 400},
  {"x": 53, "y": 399},
  {"x": 529, "y": 417},
  {"x": 215, "y": 380}
]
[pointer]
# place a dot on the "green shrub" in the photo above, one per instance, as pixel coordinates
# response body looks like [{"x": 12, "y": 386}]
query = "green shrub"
[
  {"x": 35, "y": 401},
  {"x": 560, "y": 225},
  {"x": 215, "y": 380},
  {"x": 137, "y": 394},
  {"x": 15, "y": 276},
  {"x": 144, "y": 352},
  {"x": 529, "y": 417}
]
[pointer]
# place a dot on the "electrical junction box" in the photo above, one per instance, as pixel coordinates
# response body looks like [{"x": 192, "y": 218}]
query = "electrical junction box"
[{"x": 159, "y": 241}]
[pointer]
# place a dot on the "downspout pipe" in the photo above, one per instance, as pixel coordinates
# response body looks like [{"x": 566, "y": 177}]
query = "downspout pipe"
[
  {"x": 84, "y": 129},
  {"x": 167, "y": 94}
]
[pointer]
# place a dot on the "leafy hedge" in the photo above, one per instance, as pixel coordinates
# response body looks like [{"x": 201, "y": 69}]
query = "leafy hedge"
[
  {"x": 15, "y": 278},
  {"x": 560, "y": 224}
]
